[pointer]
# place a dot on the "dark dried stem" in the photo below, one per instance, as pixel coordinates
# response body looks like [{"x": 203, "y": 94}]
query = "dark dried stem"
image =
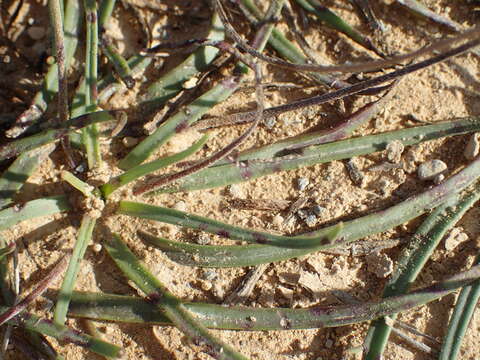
[{"x": 36, "y": 292}]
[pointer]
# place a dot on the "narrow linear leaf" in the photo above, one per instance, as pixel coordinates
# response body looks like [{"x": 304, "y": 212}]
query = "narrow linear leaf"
[
  {"x": 245, "y": 169},
  {"x": 332, "y": 20},
  {"x": 72, "y": 24},
  {"x": 345, "y": 128},
  {"x": 68, "y": 284},
  {"x": 19, "y": 171},
  {"x": 248, "y": 255},
  {"x": 145, "y": 169},
  {"x": 181, "y": 218},
  {"x": 467, "y": 302},
  {"x": 118, "y": 61},
  {"x": 90, "y": 133},
  {"x": 415, "y": 255},
  {"x": 62, "y": 333},
  {"x": 171, "y": 83},
  {"x": 38, "y": 290},
  {"x": 118, "y": 308},
  {"x": 178, "y": 122},
  {"x": 192, "y": 112},
  {"x": 421, "y": 10},
  {"x": 14, "y": 148},
  {"x": 172, "y": 307},
  {"x": 289, "y": 51},
  {"x": 32, "y": 209}
]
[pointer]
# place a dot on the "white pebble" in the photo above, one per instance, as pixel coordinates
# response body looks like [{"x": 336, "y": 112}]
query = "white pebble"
[
  {"x": 394, "y": 151},
  {"x": 428, "y": 170},
  {"x": 190, "y": 83},
  {"x": 277, "y": 220},
  {"x": 311, "y": 220},
  {"x": 302, "y": 183},
  {"x": 454, "y": 238},
  {"x": 180, "y": 206},
  {"x": 236, "y": 191},
  {"x": 96, "y": 248}
]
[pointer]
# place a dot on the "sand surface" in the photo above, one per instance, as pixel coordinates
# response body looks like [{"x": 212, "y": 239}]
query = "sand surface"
[{"x": 442, "y": 92}]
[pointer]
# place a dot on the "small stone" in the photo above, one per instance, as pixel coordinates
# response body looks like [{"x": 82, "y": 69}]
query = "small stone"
[
  {"x": 354, "y": 172},
  {"x": 285, "y": 292},
  {"x": 209, "y": 275},
  {"x": 206, "y": 285},
  {"x": 428, "y": 170},
  {"x": 180, "y": 206},
  {"x": 454, "y": 238},
  {"x": 311, "y": 220},
  {"x": 379, "y": 264},
  {"x": 7, "y": 59},
  {"x": 318, "y": 210},
  {"x": 190, "y": 83},
  {"x": 235, "y": 190},
  {"x": 302, "y": 214},
  {"x": 311, "y": 282},
  {"x": 203, "y": 239},
  {"x": 129, "y": 141},
  {"x": 329, "y": 343},
  {"x": 252, "y": 318},
  {"x": 36, "y": 32},
  {"x": 302, "y": 183},
  {"x": 438, "y": 179},
  {"x": 277, "y": 220},
  {"x": 270, "y": 122},
  {"x": 96, "y": 248},
  {"x": 394, "y": 151},
  {"x": 473, "y": 147},
  {"x": 284, "y": 323}
]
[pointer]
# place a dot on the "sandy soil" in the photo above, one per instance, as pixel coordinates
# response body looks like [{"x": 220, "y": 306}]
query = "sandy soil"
[{"x": 439, "y": 93}]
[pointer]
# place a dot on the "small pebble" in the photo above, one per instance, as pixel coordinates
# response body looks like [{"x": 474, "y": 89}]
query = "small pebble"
[
  {"x": 302, "y": 214},
  {"x": 311, "y": 220},
  {"x": 277, "y": 220},
  {"x": 379, "y": 264},
  {"x": 180, "y": 206},
  {"x": 206, "y": 285},
  {"x": 318, "y": 210},
  {"x": 96, "y": 248},
  {"x": 454, "y": 238},
  {"x": 129, "y": 141},
  {"x": 236, "y": 191},
  {"x": 473, "y": 147},
  {"x": 210, "y": 275},
  {"x": 302, "y": 183},
  {"x": 190, "y": 83},
  {"x": 6, "y": 59},
  {"x": 329, "y": 343},
  {"x": 284, "y": 323},
  {"x": 355, "y": 173},
  {"x": 203, "y": 239},
  {"x": 394, "y": 151},
  {"x": 36, "y": 32},
  {"x": 438, "y": 179},
  {"x": 270, "y": 122},
  {"x": 428, "y": 170}
]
